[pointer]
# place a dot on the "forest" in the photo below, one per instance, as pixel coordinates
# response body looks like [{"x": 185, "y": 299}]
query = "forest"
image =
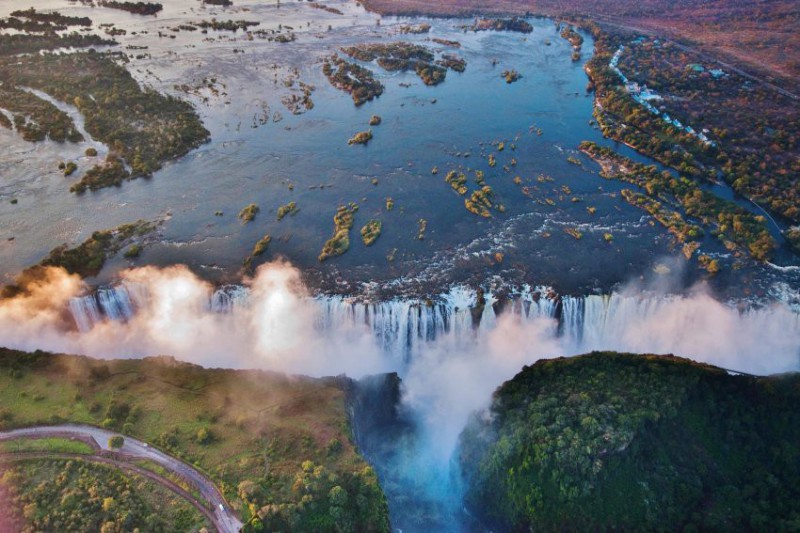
[{"x": 611, "y": 441}]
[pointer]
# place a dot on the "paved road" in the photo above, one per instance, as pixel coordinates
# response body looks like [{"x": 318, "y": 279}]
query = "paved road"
[{"x": 225, "y": 520}]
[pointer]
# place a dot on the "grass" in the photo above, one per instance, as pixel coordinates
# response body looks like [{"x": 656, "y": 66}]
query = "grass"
[
  {"x": 51, "y": 444},
  {"x": 264, "y": 425}
]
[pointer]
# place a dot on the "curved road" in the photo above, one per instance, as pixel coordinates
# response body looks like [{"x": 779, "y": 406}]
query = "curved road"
[{"x": 224, "y": 518}]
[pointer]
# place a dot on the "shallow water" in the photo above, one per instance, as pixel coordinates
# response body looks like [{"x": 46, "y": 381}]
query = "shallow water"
[{"x": 244, "y": 164}]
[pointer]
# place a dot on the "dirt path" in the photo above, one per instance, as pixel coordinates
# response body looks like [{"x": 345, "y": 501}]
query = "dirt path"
[{"x": 223, "y": 517}]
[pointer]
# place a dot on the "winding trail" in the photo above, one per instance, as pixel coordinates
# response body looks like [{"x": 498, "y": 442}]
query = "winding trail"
[{"x": 220, "y": 514}]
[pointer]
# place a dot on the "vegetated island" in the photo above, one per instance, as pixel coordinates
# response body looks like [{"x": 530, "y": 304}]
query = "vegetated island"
[
  {"x": 402, "y": 56},
  {"x": 137, "y": 8},
  {"x": 491, "y": 24},
  {"x": 143, "y": 128},
  {"x": 357, "y": 81},
  {"x": 362, "y": 137},
  {"x": 371, "y": 231},
  {"x": 738, "y": 229},
  {"x": 291, "y": 467},
  {"x": 620, "y": 441},
  {"x": 342, "y": 223},
  {"x": 87, "y": 259}
]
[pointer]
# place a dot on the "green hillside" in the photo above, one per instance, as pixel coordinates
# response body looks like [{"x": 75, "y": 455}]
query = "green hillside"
[
  {"x": 620, "y": 441},
  {"x": 278, "y": 447}
]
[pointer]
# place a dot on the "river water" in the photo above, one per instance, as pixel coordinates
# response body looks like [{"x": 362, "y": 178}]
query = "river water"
[{"x": 254, "y": 158}]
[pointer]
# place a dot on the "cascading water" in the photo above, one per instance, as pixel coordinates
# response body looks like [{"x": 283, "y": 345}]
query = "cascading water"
[{"x": 403, "y": 327}]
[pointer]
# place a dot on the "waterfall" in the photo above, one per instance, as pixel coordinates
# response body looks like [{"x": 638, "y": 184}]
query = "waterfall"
[{"x": 403, "y": 328}]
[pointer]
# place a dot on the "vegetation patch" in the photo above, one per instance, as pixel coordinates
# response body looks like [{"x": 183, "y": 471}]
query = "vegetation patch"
[
  {"x": 458, "y": 181},
  {"x": 288, "y": 209},
  {"x": 142, "y": 127},
  {"x": 362, "y": 137},
  {"x": 729, "y": 222},
  {"x": 401, "y": 56},
  {"x": 416, "y": 29},
  {"x": 226, "y": 25},
  {"x": 340, "y": 242},
  {"x": 262, "y": 245},
  {"x": 422, "y": 227},
  {"x": 513, "y": 24},
  {"x": 77, "y": 495},
  {"x": 36, "y": 119},
  {"x": 511, "y": 75},
  {"x": 137, "y": 8},
  {"x": 354, "y": 79},
  {"x": 248, "y": 213},
  {"x": 480, "y": 202},
  {"x": 49, "y": 444},
  {"x": 371, "y": 231},
  {"x": 446, "y": 42}
]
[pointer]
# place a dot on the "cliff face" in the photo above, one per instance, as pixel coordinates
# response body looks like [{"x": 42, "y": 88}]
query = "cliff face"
[
  {"x": 372, "y": 405},
  {"x": 626, "y": 441}
]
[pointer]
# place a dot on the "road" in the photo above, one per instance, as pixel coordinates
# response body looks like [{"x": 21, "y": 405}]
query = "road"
[{"x": 223, "y": 517}]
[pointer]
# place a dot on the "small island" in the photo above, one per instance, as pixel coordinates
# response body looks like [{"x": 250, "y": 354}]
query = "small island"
[
  {"x": 371, "y": 231},
  {"x": 362, "y": 137}
]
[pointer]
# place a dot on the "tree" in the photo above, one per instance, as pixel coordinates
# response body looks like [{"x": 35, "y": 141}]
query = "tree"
[{"x": 116, "y": 442}]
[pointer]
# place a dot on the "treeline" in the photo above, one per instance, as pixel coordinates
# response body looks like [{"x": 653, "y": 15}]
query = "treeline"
[
  {"x": 614, "y": 441},
  {"x": 734, "y": 225},
  {"x": 326, "y": 503},
  {"x": 137, "y": 8},
  {"x": 755, "y": 131},
  {"x": 55, "y": 18},
  {"x": 19, "y": 43}
]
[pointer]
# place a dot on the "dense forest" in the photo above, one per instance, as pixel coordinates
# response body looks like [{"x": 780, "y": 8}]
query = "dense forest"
[{"x": 620, "y": 441}]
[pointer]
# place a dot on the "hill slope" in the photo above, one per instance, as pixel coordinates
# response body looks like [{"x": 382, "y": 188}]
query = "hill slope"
[
  {"x": 278, "y": 447},
  {"x": 624, "y": 441}
]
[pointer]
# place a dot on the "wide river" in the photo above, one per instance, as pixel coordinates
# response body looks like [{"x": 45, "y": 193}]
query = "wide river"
[{"x": 261, "y": 153}]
